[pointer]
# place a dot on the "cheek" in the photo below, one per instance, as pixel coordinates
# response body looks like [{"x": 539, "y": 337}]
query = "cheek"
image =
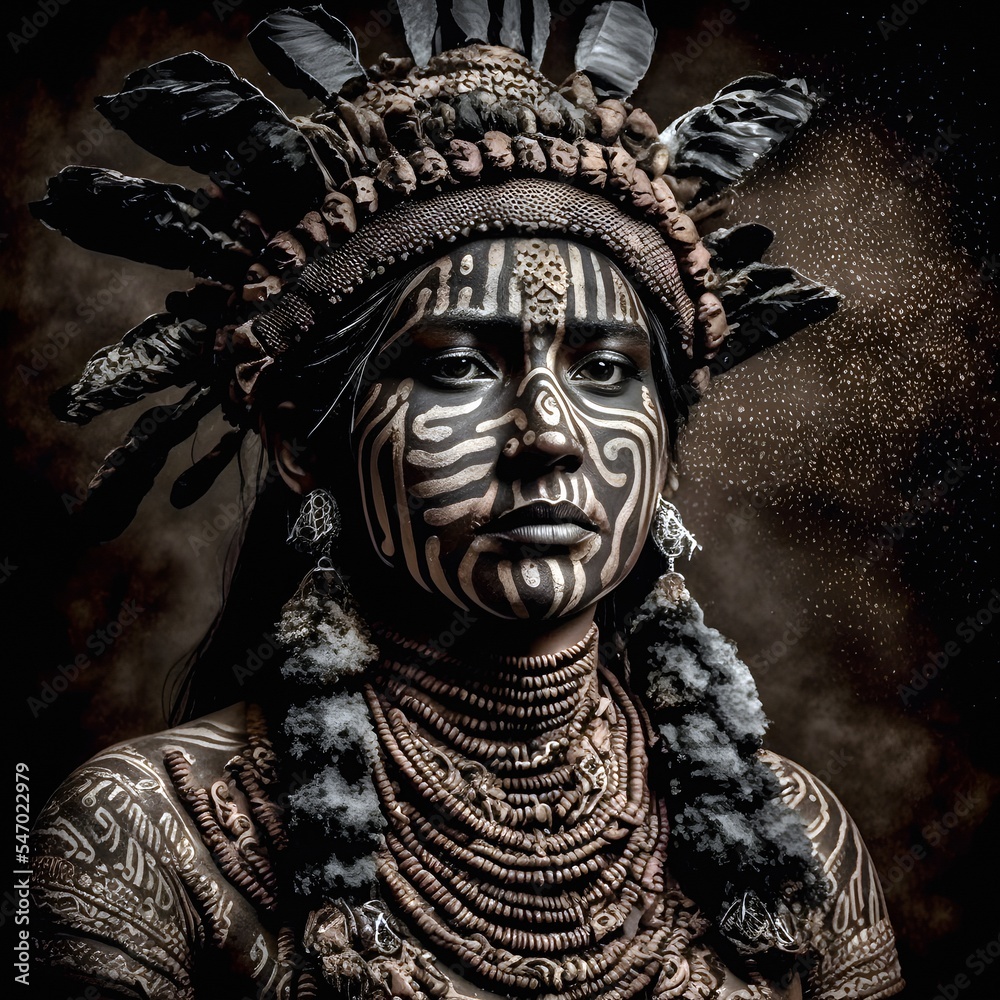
[
  {"x": 447, "y": 465},
  {"x": 378, "y": 429},
  {"x": 627, "y": 445}
]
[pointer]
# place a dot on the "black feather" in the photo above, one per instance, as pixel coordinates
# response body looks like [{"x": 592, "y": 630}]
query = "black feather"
[
  {"x": 205, "y": 301},
  {"x": 143, "y": 220},
  {"x": 739, "y": 246},
  {"x": 722, "y": 140},
  {"x": 162, "y": 351},
  {"x": 764, "y": 304},
  {"x": 309, "y": 50},
  {"x": 195, "y": 112},
  {"x": 128, "y": 473},
  {"x": 193, "y": 484}
]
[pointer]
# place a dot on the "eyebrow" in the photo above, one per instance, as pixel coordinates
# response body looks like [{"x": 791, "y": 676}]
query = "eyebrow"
[{"x": 578, "y": 331}]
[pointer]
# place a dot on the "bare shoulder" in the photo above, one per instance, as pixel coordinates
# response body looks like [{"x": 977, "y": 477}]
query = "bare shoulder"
[
  {"x": 114, "y": 857},
  {"x": 855, "y": 938}
]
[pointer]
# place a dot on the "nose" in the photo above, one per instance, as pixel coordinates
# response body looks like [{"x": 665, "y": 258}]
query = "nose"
[{"x": 547, "y": 441}]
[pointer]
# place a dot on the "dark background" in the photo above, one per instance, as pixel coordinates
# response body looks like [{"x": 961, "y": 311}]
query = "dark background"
[{"x": 843, "y": 485}]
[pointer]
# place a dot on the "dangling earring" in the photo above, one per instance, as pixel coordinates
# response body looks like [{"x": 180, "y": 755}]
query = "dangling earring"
[
  {"x": 673, "y": 540},
  {"x": 317, "y": 525},
  {"x": 320, "y": 628},
  {"x": 703, "y": 701},
  {"x": 327, "y": 648}
]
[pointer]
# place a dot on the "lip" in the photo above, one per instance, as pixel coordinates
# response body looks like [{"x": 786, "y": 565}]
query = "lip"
[{"x": 542, "y": 523}]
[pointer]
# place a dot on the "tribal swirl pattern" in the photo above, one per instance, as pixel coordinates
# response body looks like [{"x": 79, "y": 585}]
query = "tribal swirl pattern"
[{"x": 521, "y": 379}]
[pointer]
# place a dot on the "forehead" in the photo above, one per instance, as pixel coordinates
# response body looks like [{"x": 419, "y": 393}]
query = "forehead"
[{"x": 529, "y": 278}]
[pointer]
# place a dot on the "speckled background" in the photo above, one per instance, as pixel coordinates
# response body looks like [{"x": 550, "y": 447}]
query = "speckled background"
[{"x": 842, "y": 485}]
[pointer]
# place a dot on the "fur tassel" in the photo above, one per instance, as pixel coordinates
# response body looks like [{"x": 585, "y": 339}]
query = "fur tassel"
[
  {"x": 726, "y": 812},
  {"x": 334, "y": 813},
  {"x": 309, "y": 50}
]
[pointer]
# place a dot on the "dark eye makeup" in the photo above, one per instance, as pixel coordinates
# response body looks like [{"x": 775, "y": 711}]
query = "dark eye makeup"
[
  {"x": 605, "y": 371},
  {"x": 457, "y": 369}
]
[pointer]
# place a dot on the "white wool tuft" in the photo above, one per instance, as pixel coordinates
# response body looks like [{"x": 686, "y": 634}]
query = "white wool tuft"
[
  {"x": 340, "y": 807},
  {"x": 330, "y": 726},
  {"x": 324, "y": 642}
]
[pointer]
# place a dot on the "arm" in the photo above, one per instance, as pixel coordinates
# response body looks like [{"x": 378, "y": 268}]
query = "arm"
[
  {"x": 854, "y": 939},
  {"x": 110, "y": 906}
]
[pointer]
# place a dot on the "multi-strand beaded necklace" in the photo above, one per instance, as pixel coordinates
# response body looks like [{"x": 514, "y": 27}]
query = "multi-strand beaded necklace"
[{"x": 524, "y": 842}]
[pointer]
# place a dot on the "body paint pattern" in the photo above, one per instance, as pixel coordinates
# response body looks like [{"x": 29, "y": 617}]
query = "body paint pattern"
[{"x": 437, "y": 464}]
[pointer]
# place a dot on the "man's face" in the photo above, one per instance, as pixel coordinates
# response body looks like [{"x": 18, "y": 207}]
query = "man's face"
[{"x": 512, "y": 450}]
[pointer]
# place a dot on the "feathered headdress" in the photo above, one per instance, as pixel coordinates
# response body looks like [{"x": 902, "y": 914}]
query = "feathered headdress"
[{"x": 302, "y": 217}]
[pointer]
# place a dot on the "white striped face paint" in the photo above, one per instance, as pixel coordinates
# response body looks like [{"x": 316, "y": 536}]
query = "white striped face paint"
[{"x": 510, "y": 457}]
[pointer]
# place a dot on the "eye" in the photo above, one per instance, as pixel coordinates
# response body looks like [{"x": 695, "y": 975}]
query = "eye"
[
  {"x": 458, "y": 370},
  {"x": 607, "y": 372}
]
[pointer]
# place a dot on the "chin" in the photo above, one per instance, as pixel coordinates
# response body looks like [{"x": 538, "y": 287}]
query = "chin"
[{"x": 527, "y": 587}]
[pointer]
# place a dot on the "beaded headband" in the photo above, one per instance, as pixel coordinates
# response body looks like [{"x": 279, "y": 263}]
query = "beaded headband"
[{"x": 303, "y": 219}]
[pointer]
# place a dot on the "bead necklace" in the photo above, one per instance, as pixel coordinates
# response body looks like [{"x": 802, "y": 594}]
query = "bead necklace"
[{"x": 523, "y": 839}]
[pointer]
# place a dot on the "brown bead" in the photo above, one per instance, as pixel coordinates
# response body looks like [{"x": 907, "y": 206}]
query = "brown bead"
[
  {"x": 286, "y": 251},
  {"x": 611, "y": 115},
  {"x": 464, "y": 160},
  {"x": 563, "y": 157},
  {"x": 680, "y": 229},
  {"x": 311, "y": 226},
  {"x": 397, "y": 174},
  {"x": 593, "y": 165},
  {"x": 528, "y": 154},
  {"x": 497, "y": 151},
  {"x": 621, "y": 168},
  {"x": 578, "y": 90},
  {"x": 362, "y": 192},
  {"x": 712, "y": 319},
  {"x": 430, "y": 167},
  {"x": 338, "y": 214}
]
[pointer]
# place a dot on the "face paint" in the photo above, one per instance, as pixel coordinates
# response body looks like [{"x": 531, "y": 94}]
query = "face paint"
[{"x": 510, "y": 456}]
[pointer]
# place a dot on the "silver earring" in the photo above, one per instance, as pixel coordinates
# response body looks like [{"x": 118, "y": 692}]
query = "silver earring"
[
  {"x": 670, "y": 535},
  {"x": 317, "y": 525}
]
